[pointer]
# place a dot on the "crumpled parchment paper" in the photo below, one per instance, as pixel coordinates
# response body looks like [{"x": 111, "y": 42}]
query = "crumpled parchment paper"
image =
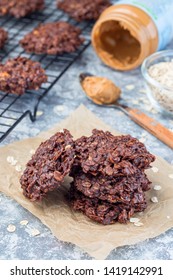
[{"x": 67, "y": 225}]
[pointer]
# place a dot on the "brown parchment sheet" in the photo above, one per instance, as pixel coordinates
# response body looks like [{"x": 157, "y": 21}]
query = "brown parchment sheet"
[{"x": 67, "y": 225}]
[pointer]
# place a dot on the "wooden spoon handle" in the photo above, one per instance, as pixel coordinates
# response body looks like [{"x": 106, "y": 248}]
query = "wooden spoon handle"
[{"x": 149, "y": 124}]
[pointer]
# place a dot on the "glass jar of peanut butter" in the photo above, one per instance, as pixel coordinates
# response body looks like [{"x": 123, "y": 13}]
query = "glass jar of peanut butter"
[{"x": 128, "y": 32}]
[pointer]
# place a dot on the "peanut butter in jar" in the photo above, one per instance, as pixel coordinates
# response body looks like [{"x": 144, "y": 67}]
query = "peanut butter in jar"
[{"x": 128, "y": 32}]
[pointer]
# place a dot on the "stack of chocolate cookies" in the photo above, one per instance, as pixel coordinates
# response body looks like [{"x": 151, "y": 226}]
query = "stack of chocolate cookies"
[{"x": 109, "y": 181}]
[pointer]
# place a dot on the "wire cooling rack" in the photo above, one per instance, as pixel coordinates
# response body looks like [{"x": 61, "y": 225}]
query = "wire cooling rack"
[{"x": 14, "y": 108}]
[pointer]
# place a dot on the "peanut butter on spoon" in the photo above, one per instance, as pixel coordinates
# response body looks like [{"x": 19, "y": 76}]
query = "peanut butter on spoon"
[
  {"x": 104, "y": 93},
  {"x": 100, "y": 90}
]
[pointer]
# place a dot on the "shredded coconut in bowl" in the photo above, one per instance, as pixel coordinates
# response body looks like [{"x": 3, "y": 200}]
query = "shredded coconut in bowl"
[{"x": 162, "y": 72}]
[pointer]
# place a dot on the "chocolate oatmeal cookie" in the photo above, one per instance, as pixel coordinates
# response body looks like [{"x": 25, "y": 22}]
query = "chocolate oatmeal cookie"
[
  {"x": 19, "y": 74},
  {"x": 109, "y": 155},
  {"x": 3, "y": 37},
  {"x": 49, "y": 165},
  {"x": 83, "y": 9},
  {"x": 52, "y": 38},
  {"x": 20, "y": 8},
  {"x": 113, "y": 189},
  {"x": 101, "y": 211}
]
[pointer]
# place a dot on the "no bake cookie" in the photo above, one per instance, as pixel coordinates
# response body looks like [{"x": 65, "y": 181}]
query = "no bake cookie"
[
  {"x": 109, "y": 155},
  {"x": 83, "y": 9},
  {"x": 20, "y": 8},
  {"x": 49, "y": 165},
  {"x": 19, "y": 74},
  {"x": 109, "y": 182},
  {"x": 113, "y": 189},
  {"x": 101, "y": 211},
  {"x": 52, "y": 38}
]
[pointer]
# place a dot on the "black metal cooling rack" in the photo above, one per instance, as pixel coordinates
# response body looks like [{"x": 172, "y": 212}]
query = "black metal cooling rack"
[{"x": 14, "y": 108}]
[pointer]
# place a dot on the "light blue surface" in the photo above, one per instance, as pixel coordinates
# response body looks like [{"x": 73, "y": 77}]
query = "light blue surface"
[{"x": 57, "y": 105}]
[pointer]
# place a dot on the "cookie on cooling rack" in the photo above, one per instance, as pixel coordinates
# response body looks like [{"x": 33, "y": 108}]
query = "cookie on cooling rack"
[
  {"x": 49, "y": 165},
  {"x": 3, "y": 37},
  {"x": 52, "y": 38},
  {"x": 83, "y": 9},
  {"x": 20, "y": 8},
  {"x": 20, "y": 74},
  {"x": 102, "y": 211}
]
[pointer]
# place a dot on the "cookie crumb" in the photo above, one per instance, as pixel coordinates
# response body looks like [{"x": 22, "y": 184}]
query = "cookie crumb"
[
  {"x": 35, "y": 232},
  {"x": 134, "y": 220},
  {"x": 11, "y": 228},
  {"x": 171, "y": 176},
  {"x": 154, "y": 199},
  {"x": 154, "y": 169},
  {"x": 168, "y": 217},
  {"x": 157, "y": 188},
  {"x": 23, "y": 222}
]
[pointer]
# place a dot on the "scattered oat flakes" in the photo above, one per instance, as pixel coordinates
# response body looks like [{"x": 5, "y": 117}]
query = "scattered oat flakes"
[
  {"x": 11, "y": 228},
  {"x": 134, "y": 220},
  {"x": 154, "y": 169},
  {"x": 39, "y": 113},
  {"x": 35, "y": 232},
  {"x": 14, "y": 162},
  {"x": 157, "y": 188},
  {"x": 32, "y": 152},
  {"x": 18, "y": 168},
  {"x": 154, "y": 199},
  {"x": 144, "y": 134},
  {"x": 142, "y": 140},
  {"x": 139, "y": 224},
  {"x": 23, "y": 222},
  {"x": 143, "y": 90},
  {"x": 171, "y": 176},
  {"x": 146, "y": 102},
  {"x": 135, "y": 102},
  {"x": 67, "y": 147},
  {"x": 149, "y": 108},
  {"x": 11, "y": 160},
  {"x": 59, "y": 108},
  {"x": 154, "y": 111},
  {"x": 130, "y": 87}
]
